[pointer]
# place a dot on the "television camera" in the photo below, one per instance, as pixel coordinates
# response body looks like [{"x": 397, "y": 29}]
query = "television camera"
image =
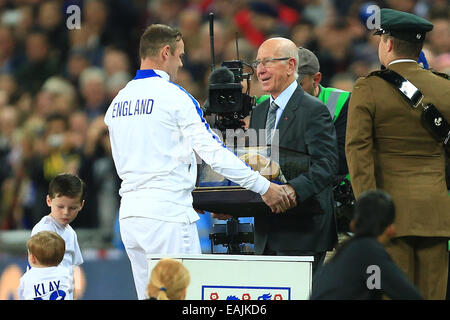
[
  {"x": 231, "y": 235},
  {"x": 226, "y": 99},
  {"x": 344, "y": 201},
  {"x": 230, "y": 104}
]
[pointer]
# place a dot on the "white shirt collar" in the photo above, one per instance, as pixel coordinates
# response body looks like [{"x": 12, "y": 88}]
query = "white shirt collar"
[
  {"x": 57, "y": 224},
  {"x": 163, "y": 74},
  {"x": 401, "y": 60},
  {"x": 284, "y": 97}
]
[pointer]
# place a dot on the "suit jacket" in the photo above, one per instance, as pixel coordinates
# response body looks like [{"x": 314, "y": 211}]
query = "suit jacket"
[
  {"x": 388, "y": 148},
  {"x": 340, "y": 124},
  {"x": 305, "y": 126}
]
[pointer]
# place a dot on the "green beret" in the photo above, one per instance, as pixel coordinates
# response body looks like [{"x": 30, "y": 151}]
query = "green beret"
[{"x": 403, "y": 25}]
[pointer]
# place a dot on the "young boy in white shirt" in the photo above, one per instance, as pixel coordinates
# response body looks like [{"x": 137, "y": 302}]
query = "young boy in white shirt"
[
  {"x": 66, "y": 199},
  {"x": 47, "y": 279}
]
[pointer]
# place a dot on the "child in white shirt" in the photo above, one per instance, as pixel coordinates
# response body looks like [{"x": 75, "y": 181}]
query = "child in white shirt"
[
  {"x": 46, "y": 279},
  {"x": 66, "y": 199}
]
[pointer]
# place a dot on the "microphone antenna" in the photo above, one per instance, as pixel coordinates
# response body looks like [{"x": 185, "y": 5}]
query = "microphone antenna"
[
  {"x": 211, "y": 39},
  {"x": 237, "y": 47}
]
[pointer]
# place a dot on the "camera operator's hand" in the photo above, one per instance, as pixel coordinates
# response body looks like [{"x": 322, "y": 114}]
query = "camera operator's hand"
[
  {"x": 277, "y": 198},
  {"x": 245, "y": 122}
]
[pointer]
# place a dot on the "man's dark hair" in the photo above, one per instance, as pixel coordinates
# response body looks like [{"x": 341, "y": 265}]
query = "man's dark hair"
[
  {"x": 374, "y": 211},
  {"x": 157, "y": 36},
  {"x": 405, "y": 49},
  {"x": 67, "y": 184}
]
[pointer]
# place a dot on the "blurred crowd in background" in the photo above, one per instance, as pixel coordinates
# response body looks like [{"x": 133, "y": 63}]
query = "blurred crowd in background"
[{"x": 56, "y": 83}]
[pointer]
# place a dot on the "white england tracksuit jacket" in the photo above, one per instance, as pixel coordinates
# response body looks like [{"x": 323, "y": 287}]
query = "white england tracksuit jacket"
[{"x": 154, "y": 127}]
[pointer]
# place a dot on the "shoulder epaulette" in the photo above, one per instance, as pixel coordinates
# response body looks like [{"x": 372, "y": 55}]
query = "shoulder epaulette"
[
  {"x": 440, "y": 74},
  {"x": 377, "y": 72}
]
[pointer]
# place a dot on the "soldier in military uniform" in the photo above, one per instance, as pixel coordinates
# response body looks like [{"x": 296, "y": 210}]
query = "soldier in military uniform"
[{"x": 388, "y": 148}]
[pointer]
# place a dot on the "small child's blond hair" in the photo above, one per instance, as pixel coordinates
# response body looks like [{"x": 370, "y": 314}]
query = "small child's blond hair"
[
  {"x": 169, "y": 280},
  {"x": 48, "y": 247}
]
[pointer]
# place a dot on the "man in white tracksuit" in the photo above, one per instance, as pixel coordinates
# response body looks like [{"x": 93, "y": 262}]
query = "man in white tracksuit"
[{"x": 154, "y": 127}]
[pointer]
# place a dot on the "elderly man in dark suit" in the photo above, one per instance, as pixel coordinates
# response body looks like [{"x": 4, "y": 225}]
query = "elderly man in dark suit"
[{"x": 304, "y": 124}]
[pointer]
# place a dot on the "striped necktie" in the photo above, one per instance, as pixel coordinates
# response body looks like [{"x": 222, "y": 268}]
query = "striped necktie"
[{"x": 270, "y": 122}]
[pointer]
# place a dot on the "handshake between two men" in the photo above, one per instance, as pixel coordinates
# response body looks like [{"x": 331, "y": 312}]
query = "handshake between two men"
[{"x": 279, "y": 197}]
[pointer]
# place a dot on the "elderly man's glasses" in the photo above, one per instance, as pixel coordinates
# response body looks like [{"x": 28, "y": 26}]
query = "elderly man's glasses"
[{"x": 268, "y": 61}]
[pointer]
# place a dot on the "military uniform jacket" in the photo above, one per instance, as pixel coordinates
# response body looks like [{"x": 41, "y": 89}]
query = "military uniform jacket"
[{"x": 388, "y": 148}]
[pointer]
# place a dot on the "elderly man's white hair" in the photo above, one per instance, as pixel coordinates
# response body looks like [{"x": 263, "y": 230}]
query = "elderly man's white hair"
[{"x": 289, "y": 49}]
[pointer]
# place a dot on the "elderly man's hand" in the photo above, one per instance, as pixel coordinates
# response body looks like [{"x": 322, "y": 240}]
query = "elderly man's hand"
[
  {"x": 290, "y": 191},
  {"x": 277, "y": 198}
]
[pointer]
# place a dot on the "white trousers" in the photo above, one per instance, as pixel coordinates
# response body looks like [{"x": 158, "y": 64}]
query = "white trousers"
[{"x": 142, "y": 236}]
